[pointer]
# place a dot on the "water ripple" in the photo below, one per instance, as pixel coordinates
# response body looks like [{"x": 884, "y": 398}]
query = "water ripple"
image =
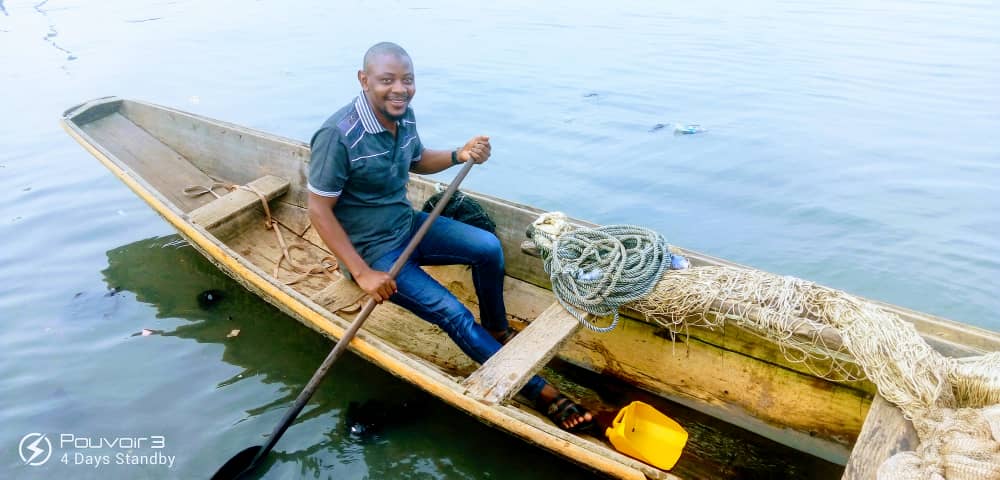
[{"x": 52, "y": 33}]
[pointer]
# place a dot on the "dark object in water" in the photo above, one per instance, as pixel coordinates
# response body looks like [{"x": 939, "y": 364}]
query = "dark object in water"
[
  {"x": 656, "y": 127},
  {"x": 373, "y": 416},
  {"x": 465, "y": 209},
  {"x": 209, "y": 298}
]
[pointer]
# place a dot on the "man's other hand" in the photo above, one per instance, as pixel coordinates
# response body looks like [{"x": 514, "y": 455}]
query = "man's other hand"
[{"x": 379, "y": 285}]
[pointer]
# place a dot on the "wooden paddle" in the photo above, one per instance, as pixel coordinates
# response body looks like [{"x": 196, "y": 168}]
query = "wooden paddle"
[{"x": 248, "y": 459}]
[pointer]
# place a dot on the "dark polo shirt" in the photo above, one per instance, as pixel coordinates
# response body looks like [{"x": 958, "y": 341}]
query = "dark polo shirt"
[{"x": 357, "y": 160}]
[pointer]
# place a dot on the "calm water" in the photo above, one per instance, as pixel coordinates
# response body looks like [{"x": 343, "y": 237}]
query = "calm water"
[{"x": 848, "y": 143}]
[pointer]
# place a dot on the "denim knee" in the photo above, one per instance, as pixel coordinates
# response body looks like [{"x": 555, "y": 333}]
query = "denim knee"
[
  {"x": 493, "y": 249},
  {"x": 487, "y": 247}
]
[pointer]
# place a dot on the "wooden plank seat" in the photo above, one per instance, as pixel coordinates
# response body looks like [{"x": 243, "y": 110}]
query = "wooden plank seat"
[
  {"x": 238, "y": 202},
  {"x": 339, "y": 295},
  {"x": 506, "y": 372}
]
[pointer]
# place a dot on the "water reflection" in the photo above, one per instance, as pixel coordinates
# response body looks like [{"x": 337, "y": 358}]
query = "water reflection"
[{"x": 170, "y": 275}]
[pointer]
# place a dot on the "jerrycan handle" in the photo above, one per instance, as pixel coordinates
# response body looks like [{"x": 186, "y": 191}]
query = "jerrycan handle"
[
  {"x": 620, "y": 417},
  {"x": 616, "y": 423}
]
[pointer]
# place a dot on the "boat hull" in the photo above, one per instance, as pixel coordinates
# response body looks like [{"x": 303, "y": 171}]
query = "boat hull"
[{"x": 733, "y": 375}]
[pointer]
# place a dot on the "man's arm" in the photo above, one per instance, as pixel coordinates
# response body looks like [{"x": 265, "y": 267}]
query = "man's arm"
[
  {"x": 434, "y": 161},
  {"x": 379, "y": 285}
]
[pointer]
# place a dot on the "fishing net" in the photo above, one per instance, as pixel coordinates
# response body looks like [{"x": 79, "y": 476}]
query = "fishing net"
[
  {"x": 953, "y": 403},
  {"x": 463, "y": 208}
]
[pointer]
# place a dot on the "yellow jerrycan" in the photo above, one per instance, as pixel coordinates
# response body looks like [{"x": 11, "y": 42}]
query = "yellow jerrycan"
[{"x": 642, "y": 432}]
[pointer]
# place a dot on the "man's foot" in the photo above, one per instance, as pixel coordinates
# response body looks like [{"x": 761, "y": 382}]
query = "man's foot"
[
  {"x": 503, "y": 336},
  {"x": 565, "y": 413}
]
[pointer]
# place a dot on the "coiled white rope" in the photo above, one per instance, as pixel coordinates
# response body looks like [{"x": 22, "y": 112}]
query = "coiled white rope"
[{"x": 597, "y": 270}]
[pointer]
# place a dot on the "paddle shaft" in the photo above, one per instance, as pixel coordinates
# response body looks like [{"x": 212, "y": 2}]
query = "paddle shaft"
[{"x": 352, "y": 330}]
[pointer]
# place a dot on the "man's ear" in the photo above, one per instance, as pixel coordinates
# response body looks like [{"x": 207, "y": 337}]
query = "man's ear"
[{"x": 363, "y": 80}]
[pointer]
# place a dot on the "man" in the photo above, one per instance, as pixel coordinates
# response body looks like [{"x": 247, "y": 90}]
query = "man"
[{"x": 361, "y": 159}]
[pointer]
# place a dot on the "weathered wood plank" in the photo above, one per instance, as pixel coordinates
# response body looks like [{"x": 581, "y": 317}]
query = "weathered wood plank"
[
  {"x": 313, "y": 237},
  {"x": 294, "y": 217},
  {"x": 150, "y": 159},
  {"x": 884, "y": 434},
  {"x": 213, "y": 146},
  {"x": 503, "y": 375},
  {"x": 230, "y": 205}
]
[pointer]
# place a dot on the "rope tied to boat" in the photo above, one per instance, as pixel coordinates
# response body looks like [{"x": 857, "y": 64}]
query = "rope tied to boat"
[
  {"x": 198, "y": 190},
  {"x": 597, "y": 270},
  {"x": 327, "y": 264}
]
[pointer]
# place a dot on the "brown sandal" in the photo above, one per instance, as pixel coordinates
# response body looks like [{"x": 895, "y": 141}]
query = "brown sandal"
[{"x": 561, "y": 409}]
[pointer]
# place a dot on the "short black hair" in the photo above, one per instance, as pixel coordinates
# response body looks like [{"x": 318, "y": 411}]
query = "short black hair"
[{"x": 383, "y": 48}]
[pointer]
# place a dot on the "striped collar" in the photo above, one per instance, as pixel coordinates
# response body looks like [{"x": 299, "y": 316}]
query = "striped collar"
[{"x": 368, "y": 118}]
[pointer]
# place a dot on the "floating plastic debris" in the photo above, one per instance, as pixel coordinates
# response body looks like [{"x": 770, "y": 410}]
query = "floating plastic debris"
[
  {"x": 209, "y": 298},
  {"x": 679, "y": 128},
  {"x": 678, "y": 262},
  {"x": 687, "y": 128},
  {"x": 147, "y": 332}
]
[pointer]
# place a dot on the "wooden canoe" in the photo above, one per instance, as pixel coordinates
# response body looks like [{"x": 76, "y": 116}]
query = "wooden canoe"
[{"x": 732, "y": 376}]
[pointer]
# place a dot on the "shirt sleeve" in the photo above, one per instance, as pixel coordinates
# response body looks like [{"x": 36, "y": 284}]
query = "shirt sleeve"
[
  {"x": 328, "y": 163},
  {"x": 418, "y": 148},
  {"x": 414, "y": 146}
]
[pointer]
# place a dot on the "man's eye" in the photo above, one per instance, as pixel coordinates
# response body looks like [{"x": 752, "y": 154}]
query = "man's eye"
[
  {"x": 386, "y": 81},
  {"x": 408, "y": 81}
]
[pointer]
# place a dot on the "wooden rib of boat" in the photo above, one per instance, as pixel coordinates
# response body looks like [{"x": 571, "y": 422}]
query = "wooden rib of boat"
[{"x": 733, "y": 375}]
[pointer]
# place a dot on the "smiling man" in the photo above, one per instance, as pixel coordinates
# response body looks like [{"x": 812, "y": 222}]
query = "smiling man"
[{"x": 361, "y": 159}]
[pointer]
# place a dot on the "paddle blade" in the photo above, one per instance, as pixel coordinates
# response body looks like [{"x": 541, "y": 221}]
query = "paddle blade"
[{"x": 237, "y": 466}]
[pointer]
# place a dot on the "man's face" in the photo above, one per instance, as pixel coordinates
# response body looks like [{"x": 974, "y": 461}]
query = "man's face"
[{"x": 389, "y": 84}]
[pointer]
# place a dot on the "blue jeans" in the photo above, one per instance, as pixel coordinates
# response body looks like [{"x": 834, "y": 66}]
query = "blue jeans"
[{"x": 449, "y": 242}]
